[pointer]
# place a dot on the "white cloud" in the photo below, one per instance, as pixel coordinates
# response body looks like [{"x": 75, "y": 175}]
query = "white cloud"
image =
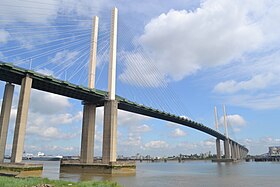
[
  {"x": 43, "y": 120},
  {"x": 209, "y": 143},
  {"x": 157, "y": 144},
  {"x": 182, "y": 42},
  {"x": 130, "y": 119},
  {"x": 258, "y": 102},
  {"x": 28, "y": 11},
  {"x": 187, "y": 145},
  {"x": 48, "y": 103},
  {"x": 64, "y": 56},
  {"x": 142, "y": 128},
  {"x": 4, "y": 36},
  {"x": 257, "y": 82},
  {"x": 178, "y": 133},
  {"x": 260, "y": 145},
  {"x": 234, "y": 120},
  {"x": 132, "y": 140},
  {"x": 49, "y": 133},
  {"x": 85, "y": 7},
  {"x": 47, "y": 126}
]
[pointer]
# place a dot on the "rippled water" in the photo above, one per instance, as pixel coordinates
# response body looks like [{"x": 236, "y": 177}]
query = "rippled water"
[{"x": 190, "y": 174}]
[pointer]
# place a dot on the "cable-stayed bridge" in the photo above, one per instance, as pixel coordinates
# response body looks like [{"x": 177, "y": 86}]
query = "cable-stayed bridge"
[{"x": 91, "y": 98}]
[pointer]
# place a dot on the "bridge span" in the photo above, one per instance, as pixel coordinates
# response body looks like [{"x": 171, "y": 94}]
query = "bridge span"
[
  {"x": 91, "y": 98},
  {"x": 12, "y": 74}
]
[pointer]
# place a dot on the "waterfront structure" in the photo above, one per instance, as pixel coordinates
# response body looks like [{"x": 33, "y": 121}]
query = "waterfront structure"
[
  {"x": 274, "y": 151},
  {"x": 232, "y": 149},
  {"x": 91, "y": 99}
]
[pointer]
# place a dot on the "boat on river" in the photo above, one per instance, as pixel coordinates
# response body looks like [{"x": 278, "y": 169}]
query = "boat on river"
[{"x": 41, "y": 157}]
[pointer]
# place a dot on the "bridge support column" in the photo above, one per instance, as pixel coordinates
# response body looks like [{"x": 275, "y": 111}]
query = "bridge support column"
[
  {"x": 218, "y": 148},
  {"x": 243, "y": 153},
  {"x": 109, "y": 150},
  {"x": 21, "y": 120},
  {"x": 88, "y": 131},
  {"x": 237, "y": 151},
  {"x": 226, "y": 148},
  {"x": 232, "y": 150},
  {"x": 5, "y": 118}
]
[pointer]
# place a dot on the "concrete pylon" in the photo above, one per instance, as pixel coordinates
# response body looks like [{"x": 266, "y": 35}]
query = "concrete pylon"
[
  {"x": 109, "y": 149},
  {"x": 89, "y": 110},
  {"x": 226, "y": 148},
  {"x": 88, "y": 131},
  {"x": 5, "y": 118},
  {"x": 232, "y": 150},
  {"x": 237, "y": 152},
  {"x": 21, "y": 120},
  {"x": 218, "y": 148},
  {"x": 113, "y": 56}
]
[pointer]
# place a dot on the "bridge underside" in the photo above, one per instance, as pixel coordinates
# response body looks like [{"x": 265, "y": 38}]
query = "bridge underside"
[{"x": 12, "y": 74}]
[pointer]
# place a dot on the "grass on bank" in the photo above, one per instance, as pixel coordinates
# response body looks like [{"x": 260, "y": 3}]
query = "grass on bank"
[{"x": 29, "y": 182}]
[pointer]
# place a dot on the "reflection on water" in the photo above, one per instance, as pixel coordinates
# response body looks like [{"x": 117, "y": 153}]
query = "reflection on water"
[{"x": 191, "y": 174}]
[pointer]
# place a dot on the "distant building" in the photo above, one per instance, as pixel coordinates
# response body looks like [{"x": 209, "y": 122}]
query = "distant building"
[{"x": 274, "y": 151}]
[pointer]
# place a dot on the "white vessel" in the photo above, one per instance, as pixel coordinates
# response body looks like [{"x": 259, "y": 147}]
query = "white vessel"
[{"x": 41, "y": 157}]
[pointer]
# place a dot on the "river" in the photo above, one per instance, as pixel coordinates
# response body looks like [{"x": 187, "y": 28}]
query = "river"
[{"x": 190, "y": 174}]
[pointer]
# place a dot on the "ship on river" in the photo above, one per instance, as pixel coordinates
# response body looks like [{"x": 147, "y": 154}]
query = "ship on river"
[{"x": 41, "y": 157}]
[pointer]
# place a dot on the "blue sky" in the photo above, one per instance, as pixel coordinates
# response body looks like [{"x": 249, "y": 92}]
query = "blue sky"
[{"x": 183, "y": 57}]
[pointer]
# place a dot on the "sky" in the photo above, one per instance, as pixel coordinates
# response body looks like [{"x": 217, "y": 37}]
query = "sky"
[{"x": 181, "y": 56}]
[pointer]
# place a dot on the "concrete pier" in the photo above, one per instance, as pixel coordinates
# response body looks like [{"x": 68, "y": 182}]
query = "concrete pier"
[
  {"x": 5, "y": 118},
  {"x": 232, "y": 150},
  {"x": 109, "y": 149},
  {"x": 21, "y": 120},
  {"x": 237, "y": 152},
  {"x": 218, "y": 148},
  {"x": 118, "y": 168},
  {"x": 88, "y": 131},
  {"x": 226, "y": 149}
]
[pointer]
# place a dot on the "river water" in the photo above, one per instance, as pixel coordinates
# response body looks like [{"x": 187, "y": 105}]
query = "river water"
[{"x": 190, "y": 174}]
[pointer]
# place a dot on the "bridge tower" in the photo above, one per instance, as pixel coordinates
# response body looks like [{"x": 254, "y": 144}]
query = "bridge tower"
[
  {"x": 218, "y": 145},
  {"x": 227, "y": 141},
  {"x": 109, "y": 148},
  {"x": 89, "y": 109}
]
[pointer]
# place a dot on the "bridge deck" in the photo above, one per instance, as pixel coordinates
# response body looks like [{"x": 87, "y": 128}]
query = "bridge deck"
[{"x": 13, "y": 74}]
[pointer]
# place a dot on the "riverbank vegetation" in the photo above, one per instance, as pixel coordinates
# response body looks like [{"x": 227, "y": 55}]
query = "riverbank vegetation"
[{"x": 39, "y": 182}]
